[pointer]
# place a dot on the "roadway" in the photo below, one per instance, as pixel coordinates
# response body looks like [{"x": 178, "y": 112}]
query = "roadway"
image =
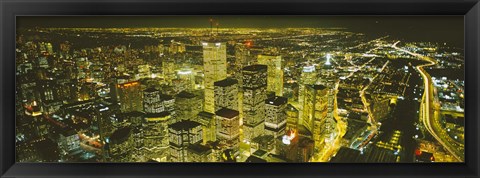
[
  {"x": 432, "y": 123},
  {"x": 326, "y": 154}
]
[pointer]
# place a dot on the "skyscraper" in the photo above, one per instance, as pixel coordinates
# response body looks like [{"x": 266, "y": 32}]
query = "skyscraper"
[
  {"x": 275, "y": 72},
  {"x": 215, "y": 69},
  {"x": 243, "y": 57},
  {"x": 314, "y": 105},
  {"x": 228, "y": 128},
  {"x": 208, "y": 126},
  {"x": 276, "y": 116},
  {"x": 151, "y": 101},
  {"x": 169, "y": 105},
  {"x": 226, "y": 94},
  {"x": 316, "y": 114},
  {"x": 181, "y": 135},
  {"x": 130, "y": 96},
  {"x": 254, "y": 95},
  {"x": 155, "y": 133},
  {"x": 187, "y": 106},
  {"x": 307, "y": 77},
  {"x": 120, "y": 145},
  {"x": 199, "y": 153},
  {"x": 187, "y": 78}
]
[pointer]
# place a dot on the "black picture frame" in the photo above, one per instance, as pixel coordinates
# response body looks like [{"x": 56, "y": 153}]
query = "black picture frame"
[{"x": 12, "y": 8}]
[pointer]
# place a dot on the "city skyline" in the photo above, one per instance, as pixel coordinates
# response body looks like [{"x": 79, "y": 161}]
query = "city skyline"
[
  {"x": 448, "y": 28},
  {"x": 351, "y": 89}
]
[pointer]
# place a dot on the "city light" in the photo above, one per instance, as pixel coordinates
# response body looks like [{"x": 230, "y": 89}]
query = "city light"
[
  {"x": 309, "y": 69},
  {"x": 329, "y": 56},
  {"x": 199, "y": 92},
  {"x": 184, "y": 72},
  {"x": 286, "y": 139}
]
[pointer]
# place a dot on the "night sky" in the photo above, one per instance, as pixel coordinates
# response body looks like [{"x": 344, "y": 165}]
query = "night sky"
[{"x": 448, "y": 29}]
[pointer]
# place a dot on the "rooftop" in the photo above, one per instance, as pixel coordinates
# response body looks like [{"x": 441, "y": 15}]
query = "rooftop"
[
  {"x": 260, "y": 153},
  {"x": 199, "y": 149},
  {"x": 156, "y": 115},
  {"x": 151, "y": 90},
  {"x": 226, "y": 82},
  {"x": 227, "y": 113},
  {"x": 165, "y": 97},
  {"x": 184, "y": 94},
  {"x": 120, "y": 135},
  {"x": 277, "y": 100},
  {"x": 184, "y": 125},
  {"x": 206, "y": 114},
  {"x": 255, "y": 67}
]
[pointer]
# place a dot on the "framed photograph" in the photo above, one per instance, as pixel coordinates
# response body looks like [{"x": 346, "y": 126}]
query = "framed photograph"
[{"x": 242, "y": 88}]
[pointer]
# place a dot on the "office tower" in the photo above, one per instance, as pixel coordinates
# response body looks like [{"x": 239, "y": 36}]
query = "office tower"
[
  {"x": 187, "y": 105},
  {"x": 156, "y": 135},
  {"x": 136, "y": 120},
  {"x": 314, "y": 106},
  {"x": 307, "y": 77},
  {"x": 208, "y": 126},
  {"x": 187, "y": 78},
  {"x": 215, "y": 69},
  {"x": 226, "y": 94},
  {"x": 151, "y": 101},
  {"x": 120, "y": 145},
  {"x": 130, "y": 96},
  {"x": 254, "y": 95},
  {"x": 199, "y": 153},
  {"x": 315, "y": 114},
  {"x": 243, "y": 58},
  {"x": 228, "y": 128},
  {"x": 181, "y": 135},
  {"x": 276, "y": 116},
  {"x": 329, "y": 80},
  {"x": 68, "y": 143},
  {"x": 275, "y": 72},
  {"x": 113, "y": 85},
  {"x": 169, "y": 105}
]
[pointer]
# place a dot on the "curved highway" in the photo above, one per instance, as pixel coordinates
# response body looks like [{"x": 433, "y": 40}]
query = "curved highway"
[{"x": 426, "y": 110}]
